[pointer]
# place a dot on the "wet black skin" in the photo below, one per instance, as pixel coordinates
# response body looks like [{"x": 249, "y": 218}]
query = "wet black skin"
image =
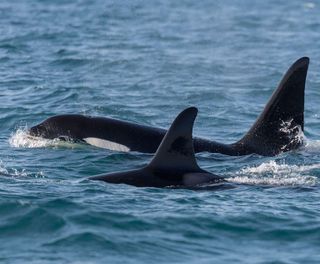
[
  {"x": 174, "y": 163},
  {"x": 136, "y": 137},
  {"x": 153, "y": 177},
  {"x": 266, "y": 137}
]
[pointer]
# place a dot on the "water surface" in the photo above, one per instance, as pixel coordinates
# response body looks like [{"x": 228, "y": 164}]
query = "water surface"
[{"x": 145, "y": 62}]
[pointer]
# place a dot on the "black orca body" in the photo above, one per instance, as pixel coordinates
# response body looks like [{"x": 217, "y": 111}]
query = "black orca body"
[
  {"x": 276, "y": 130},
  {"x": 174, "y": 163}
]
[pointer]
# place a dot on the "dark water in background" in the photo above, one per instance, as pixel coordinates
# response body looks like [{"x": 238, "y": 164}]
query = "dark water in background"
[{"x": 145, "y": 61}]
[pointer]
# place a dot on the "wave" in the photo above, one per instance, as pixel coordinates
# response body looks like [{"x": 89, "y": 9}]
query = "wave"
[{"x": 273, "y": 173}]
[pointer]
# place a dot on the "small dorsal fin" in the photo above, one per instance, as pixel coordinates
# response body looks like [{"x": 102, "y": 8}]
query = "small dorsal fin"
[
  {"x": 176, "y": 149},
  {"x": 277, "y": 127}
]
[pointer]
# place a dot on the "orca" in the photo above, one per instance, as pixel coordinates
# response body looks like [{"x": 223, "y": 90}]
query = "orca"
[
  {"x": 174, "y": 163},
  {"x": 276, "y": 130}
]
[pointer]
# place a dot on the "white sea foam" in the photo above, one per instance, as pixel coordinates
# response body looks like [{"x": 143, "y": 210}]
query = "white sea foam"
[
  {"x": 272, "y": 173},
  {"x": 3, "y": 170},
  {"x": 21, "y": 138},
  {"x": 12, "y": 172},
  {"x": 295, "y": 133}
]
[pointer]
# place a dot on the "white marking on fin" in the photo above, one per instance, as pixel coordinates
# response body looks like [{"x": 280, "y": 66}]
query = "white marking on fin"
[{"x": 103, "y": 143}]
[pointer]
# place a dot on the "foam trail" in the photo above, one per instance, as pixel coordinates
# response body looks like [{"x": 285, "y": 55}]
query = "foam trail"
[{"x": 272, "y": 173}]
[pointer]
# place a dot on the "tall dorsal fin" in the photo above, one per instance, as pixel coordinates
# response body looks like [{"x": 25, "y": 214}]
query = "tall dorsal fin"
[
  {"x": 176, "y": 149},
  {"x": 277, "y": 127}
]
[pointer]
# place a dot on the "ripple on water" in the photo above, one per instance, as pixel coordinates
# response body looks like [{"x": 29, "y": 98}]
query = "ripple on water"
[
  {"x": 145, "y": 62},
  {"x": 36, "y": 221}
]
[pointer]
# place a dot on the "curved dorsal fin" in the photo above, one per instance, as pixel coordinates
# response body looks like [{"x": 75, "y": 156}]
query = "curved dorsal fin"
[
  {"x": 277, "y": 127},
  {"x": 176, "y": 149}
]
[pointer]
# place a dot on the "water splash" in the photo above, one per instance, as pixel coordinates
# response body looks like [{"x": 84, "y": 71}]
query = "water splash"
[
  {"x": 272, "y": 173},
  {"x": 3, "y": 170},
  {"x": 15, "y": 172},
  {"x": 294, "y": 133},
  {"x": 22, "y": 139}
]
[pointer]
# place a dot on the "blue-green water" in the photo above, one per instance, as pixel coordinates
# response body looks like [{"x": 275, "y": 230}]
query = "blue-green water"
[{"x": 145, "y": 61}]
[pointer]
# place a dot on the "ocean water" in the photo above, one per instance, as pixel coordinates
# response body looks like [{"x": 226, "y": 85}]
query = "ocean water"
[{"x": 145, "y": 61}]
